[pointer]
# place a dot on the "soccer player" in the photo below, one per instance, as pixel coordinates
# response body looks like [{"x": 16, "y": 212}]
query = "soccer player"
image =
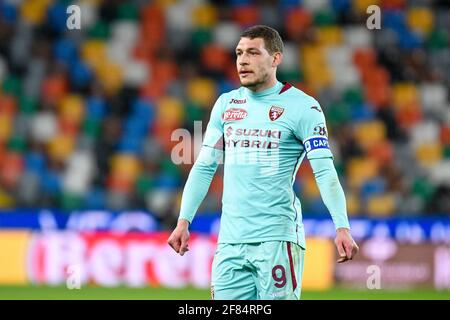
[{"x": 263, "y": 130}]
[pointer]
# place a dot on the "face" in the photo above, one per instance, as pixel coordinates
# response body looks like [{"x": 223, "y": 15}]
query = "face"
[{"x": 255, "y": 65}]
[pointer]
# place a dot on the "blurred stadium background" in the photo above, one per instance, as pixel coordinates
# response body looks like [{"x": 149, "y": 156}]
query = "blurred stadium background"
[{"x": 88, "y": 190}]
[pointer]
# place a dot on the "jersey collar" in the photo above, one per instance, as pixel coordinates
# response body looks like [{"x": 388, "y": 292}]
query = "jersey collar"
[{"x": 274, "y": 89}]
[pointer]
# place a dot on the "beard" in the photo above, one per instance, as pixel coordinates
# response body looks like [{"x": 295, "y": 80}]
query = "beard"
[{"x": 254, "y": 84}]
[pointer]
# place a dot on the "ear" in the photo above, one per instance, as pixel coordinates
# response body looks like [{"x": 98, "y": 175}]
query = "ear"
[{"x": 277, "y": 59}]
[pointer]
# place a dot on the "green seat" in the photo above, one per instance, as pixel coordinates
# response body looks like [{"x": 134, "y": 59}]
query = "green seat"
[{"x": 128, "y": 11}]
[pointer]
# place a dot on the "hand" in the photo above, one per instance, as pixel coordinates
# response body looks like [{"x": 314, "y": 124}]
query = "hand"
[
  {"x": 179, "y": 238},
  {"x": 346, "y": 246}
]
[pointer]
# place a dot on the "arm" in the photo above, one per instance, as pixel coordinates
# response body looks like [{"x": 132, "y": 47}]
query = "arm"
[
  {"x": 194, "y": 192},
  {"x": 199, "y": 179},
  {"x": 333, "y": 196},
  {"x": 331, "y": 191},
  {"x": 312, "y": 131}
]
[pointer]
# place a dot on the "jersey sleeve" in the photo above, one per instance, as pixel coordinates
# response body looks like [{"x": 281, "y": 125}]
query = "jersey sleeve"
[
  {"x": 312, "y": 131},
  {"x": 205, "y": 165},
  {"x": 214, "y": 131}
]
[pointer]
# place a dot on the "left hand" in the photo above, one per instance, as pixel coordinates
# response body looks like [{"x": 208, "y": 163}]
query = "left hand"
[{"x": 346, "y": 246}]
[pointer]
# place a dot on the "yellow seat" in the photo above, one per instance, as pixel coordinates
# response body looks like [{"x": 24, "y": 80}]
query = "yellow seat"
[
  {"x": 205, "y": 16},
  {"x": 125, "y": 166},
  {"x": 61, "y": 147},
  {"x": 317, "y": 72},
  {"x": 381, "y": 205},
  {"x": 404, "y": 94},
  {"x": 310, "y": 189},
  {"x": 330, "y": 35},
  {"x": 362, "y": 5},
  {"x": 312, "y": 54},
  {"x": 110, "y": 76},
  {"x": 420, "y": 19},
  {"x": 360, "y": 170},
  {"x": 6, "y": 201},
  {"x": 34, "y": 11},
  {"x": 72, "y": 108},
  {"x": 370, "y": 133},
  {"x": 93, "y": 52},
  {"x": 202, "y": 91},
  {"x": 318, "y": 76},
  {"x": 429, "y": 154},
  {"x": 165, "y": 3},
  {"x": 170, "y": 112},
  {"x": 6, "y": 123},
  {"x": 353, "y": 203}
]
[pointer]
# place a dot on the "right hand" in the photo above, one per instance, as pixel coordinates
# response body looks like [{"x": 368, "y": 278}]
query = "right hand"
[{"x": 179, "y": 238}]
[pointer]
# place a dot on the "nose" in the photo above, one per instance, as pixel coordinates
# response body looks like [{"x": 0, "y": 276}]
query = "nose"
[{"x": 243, "y": 60}]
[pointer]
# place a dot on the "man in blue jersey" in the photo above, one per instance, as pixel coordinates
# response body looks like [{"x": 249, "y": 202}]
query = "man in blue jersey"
[{"x": 263, "y": 130}]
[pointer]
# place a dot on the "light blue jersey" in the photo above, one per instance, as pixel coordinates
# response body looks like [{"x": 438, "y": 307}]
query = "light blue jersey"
[{"x": 265, "y": 136}]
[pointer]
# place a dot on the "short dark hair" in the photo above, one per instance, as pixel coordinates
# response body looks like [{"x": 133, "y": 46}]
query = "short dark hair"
[{"x": 271, "y": 37}]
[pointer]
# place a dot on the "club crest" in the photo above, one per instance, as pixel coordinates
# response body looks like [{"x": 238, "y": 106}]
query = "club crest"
[{"x": 275, "y": 112}]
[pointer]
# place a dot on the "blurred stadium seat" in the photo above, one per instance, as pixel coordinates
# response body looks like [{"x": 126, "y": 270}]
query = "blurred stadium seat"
[{"x": 86, "y": 115}]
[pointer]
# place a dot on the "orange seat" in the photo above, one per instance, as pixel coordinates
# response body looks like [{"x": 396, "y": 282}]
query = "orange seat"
[
  {"x": 164, "y": 70},
  {"x": 375, "y": 76},
  {"x": 393, "y": 4},
  {"x": 153, "y": 33},
  {"x": 163, "y": 134},
  {"x": 54, "y": 88},
  {"x": 382, "y": 152},
  {"x": 409, "y": 115},
  {"x": 445, "y": 134},
  {"x": 68, "y": 127},
  {"x": 378, "y": 96},
  {"x": 12, "y": 168},
  {"x": 297, "y": 21},
  {"x": 153, "y": 89},
  {"x": 364, "y": 58},
  {"x": 214, "y": 57},
  {"x": 119, "y": 183},
  {"x": 246, "y": 15},
  {"x": 8, "y": 105}
]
